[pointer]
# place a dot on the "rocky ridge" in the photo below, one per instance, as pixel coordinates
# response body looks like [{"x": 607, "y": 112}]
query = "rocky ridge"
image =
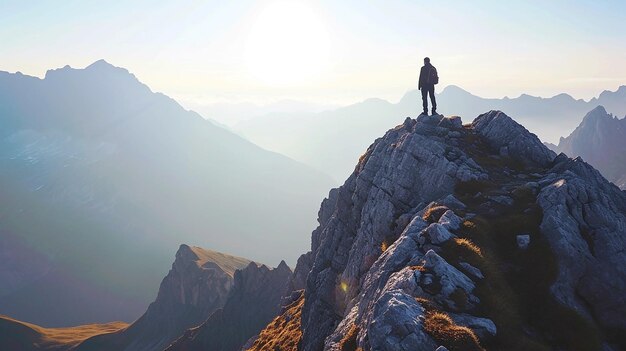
[
  {"x": 198, "y": 284},
  {"x": 469, "y": 237},
  {"x": 255, "y": 299}
]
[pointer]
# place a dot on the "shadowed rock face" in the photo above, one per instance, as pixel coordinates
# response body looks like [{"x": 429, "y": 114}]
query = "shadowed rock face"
[
  {"x": 198, "y": 284},
  {"x": 254, "y": 301},
  {"x": 585, "y": 223},
  {"x": 600, "y": 139},
  {"x": 381, "y": 261}
]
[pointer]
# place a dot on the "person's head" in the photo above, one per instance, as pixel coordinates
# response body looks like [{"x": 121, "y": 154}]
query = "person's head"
[{"x": 426, "y": 60}]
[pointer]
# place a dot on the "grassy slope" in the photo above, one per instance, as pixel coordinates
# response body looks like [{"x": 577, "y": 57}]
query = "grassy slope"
[{"x": 17, "y": 335}]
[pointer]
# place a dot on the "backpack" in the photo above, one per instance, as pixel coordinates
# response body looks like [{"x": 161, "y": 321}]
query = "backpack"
[{"x": 433, "y": 77}]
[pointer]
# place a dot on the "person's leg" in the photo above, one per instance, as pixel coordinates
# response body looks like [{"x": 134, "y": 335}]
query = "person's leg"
[
  {"x": 431, "y": 92},
  {"x": 425, "y": 99}
]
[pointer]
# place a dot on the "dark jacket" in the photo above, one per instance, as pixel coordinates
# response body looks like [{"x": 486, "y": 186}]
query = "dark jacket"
[{"x": 428, "y": 76}]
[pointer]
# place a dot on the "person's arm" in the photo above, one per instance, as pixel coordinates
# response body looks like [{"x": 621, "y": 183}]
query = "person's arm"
[{"x": 419, "y": 81}]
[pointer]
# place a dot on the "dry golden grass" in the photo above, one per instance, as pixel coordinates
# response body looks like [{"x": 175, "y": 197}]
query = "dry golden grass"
[
  {"x": 469, "y": 225},
  {"x": 228, "y": 263},
  {"x": 54, "y": 338},
  {"x": 284, "y": 332},
  {"x": 443, "y": 329},
  {"x": 348, "y": 343},
  {"x": 420, "y": 268},
  {"x": 384, "y": 246},
  {"x": 434, "y": 213},
  {"x": 468, "y": 245}
]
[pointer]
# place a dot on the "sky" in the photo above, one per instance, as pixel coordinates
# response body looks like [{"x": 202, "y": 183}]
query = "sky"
[{"x": 325, "y": 52}]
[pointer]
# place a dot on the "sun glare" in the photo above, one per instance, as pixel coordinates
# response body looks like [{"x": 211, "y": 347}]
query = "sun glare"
[{"x": 287, "y": 45}]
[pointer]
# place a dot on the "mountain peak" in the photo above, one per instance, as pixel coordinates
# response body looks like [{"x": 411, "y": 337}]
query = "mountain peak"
[
  {"x": 598, "y": 114},
  {"x": 454, "y": 89},
  {"x": 621, "y": 90},
  {"x": 103, "y": 67},
  {"x": 98, "y": 68},
  {"x": 98, "y": 64},
  {"x": 208, "y": 259},
  {"x": 598, "y": 110},
  {"x": 198, "y": 284}
]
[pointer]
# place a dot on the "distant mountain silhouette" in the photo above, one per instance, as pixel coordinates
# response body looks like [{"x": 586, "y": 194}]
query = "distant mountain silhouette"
[
  {"x": 100, "y": 177},
  {"x": 231, "y": 113},
  {"x": 333, "y": 140},
  {"x": 600, "y": 139}
]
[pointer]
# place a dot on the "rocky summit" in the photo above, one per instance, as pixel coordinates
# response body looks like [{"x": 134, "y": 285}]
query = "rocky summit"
[{"x": 463, "y": 237}]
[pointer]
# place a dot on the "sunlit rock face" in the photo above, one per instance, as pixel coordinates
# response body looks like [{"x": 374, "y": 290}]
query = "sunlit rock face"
[{"x": 389, "y": 270}]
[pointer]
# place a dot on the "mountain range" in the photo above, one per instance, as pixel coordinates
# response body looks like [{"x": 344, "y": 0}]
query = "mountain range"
[
  {"x": 100, "y": 177},
  {"x": 600, "y": 139},
  {"x": 447, "y": 236},
  {"x": 334, "y": 139},
  {"x": 205, "y": 292}
]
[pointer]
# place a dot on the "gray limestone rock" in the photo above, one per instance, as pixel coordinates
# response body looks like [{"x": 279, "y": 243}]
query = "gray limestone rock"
[
  {"x": 523, "y": 240},
  {"x": 374, "y": 256},
  {"x": 450, "y": 221},
  {"x": 584, "y": 221},
  {"x": 512, "y": 139},
  {"x": 483, "y": 327},
  {"x": 473, "y": 271}
]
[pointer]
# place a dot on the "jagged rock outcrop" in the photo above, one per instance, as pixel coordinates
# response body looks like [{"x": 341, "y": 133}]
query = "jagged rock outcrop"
[
  {"x": 419, "y": 248},
  {"x": 585, "y": 223},
  {"x": 600, "y": 139},
  {"x": 199, "y": 283},
  {"x": 254, "y": 301},
  {"x": 512, "y": 139}
]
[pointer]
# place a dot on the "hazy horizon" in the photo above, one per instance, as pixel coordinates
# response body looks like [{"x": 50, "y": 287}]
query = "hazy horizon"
[{"x": 325, "y": 53}]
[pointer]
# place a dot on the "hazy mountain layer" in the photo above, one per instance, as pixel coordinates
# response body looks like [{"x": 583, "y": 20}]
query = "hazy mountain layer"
[
  {"x": 100, "y": 177},
  {"x": 333, "y": 140},
  {"x": 600, "y": 139}
]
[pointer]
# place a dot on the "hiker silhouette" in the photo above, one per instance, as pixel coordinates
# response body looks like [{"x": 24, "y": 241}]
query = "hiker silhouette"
[{"x": 427, "y": 81}]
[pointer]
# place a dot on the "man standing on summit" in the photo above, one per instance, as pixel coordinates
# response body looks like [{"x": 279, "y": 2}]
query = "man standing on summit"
[{"x": 428, "y": 79}]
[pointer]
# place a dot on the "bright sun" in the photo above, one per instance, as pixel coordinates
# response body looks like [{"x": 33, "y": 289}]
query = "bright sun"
[{"x": 287, "y": 45}]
